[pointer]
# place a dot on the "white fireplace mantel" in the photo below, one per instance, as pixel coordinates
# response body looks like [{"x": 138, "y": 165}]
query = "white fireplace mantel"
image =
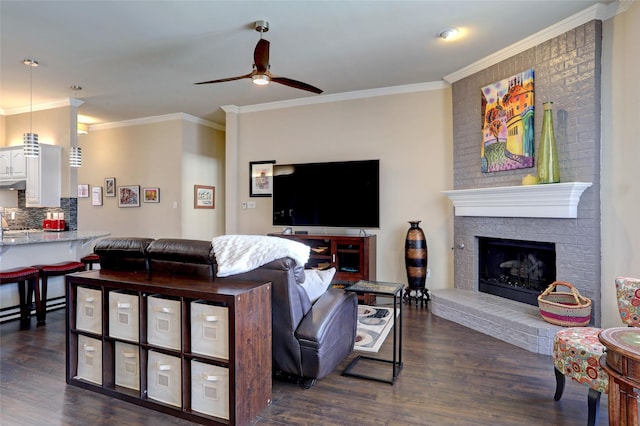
[{"x": 553, "y": 200}]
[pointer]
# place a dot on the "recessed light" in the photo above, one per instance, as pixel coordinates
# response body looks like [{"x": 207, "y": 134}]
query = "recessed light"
[{"x": 449, "y": 33}]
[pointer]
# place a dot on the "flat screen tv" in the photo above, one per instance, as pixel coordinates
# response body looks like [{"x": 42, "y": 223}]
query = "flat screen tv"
[{"x": 333, "y": 194}]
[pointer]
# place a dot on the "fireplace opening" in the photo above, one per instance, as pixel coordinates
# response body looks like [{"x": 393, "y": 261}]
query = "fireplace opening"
[{"x": 516, "y": 270}]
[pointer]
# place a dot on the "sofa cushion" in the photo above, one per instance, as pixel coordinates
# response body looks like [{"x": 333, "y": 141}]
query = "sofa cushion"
[
  {"x": 181, "y": 257},
  {"x": 123, "y": 253},
  {"x": 316, "y": 282}
]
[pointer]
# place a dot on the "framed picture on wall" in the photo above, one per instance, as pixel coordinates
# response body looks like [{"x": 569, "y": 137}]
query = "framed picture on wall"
[
  {"x": 261, "y": 178},
  {"x": 96, "y": 196},
  {"x": 129, "y": 196},
  {"x": 83, "y": 191},
  {"x": 110, "y": 187},
  {"x": 151, "y": 195},
  {"x": 204, "y": 197}
]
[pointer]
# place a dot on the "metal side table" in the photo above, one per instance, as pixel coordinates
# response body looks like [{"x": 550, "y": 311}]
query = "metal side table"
[{"x": 384, "y": 289}]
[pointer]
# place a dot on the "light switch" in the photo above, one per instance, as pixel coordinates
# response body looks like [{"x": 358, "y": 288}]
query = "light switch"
[{"x": 251, "y": 204}]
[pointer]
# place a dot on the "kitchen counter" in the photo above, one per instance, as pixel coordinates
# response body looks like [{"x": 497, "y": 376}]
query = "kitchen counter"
[
  {"x": 14, "y": 238},
  {"x": 33, "y": 247}
]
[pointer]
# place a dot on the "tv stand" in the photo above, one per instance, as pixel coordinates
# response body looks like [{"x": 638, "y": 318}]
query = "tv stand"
[{"x": 354, "y": 257}]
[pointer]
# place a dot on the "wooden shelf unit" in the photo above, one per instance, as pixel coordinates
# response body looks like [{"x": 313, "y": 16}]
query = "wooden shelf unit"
[
  {"x": 248, "y": 307},
  {"x": 354, "y": 257}
]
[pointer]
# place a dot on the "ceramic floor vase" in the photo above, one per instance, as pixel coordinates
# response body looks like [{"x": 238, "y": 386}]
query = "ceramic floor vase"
[{"x": 416, "y": 256}]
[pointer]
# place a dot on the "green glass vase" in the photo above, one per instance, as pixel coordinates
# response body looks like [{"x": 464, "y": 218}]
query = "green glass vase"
[{"x": 548, "y": 165}]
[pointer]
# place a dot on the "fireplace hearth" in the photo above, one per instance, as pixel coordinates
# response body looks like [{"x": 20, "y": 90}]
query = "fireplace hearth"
[{"x": 514, "y": 269}]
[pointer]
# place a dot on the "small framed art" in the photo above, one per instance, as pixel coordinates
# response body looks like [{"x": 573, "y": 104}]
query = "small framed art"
[
  {"x": 261, "y": 178},
  {"x": 96, "y": 196},
  {"x": 110, "y": 187},
  {"x": 129, "y": 196},
  {"x": 204, "y": 197},
  {"x": 83, "y": 191},
  {"x": 151, "y": 195}
]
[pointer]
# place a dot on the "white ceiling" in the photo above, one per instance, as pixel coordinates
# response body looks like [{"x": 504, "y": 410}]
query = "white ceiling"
[{"x": 139, "y": 59}]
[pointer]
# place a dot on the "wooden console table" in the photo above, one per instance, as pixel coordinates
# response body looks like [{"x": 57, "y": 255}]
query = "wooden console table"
[
  {"x": 194, "y": 348},
  {"x": 622, "y": 362}
]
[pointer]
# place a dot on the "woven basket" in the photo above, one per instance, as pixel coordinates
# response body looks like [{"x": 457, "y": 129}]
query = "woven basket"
[{"x": 566, "y": 309}]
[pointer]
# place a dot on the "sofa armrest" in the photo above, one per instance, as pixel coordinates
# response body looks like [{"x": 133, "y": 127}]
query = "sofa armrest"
[{"x": 334, "y": 310}]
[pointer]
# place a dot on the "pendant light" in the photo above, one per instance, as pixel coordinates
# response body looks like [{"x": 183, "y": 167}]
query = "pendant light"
[
  {"x": 30, "y": 140},
  {"x": 75, "y": 156},
  {"x": 75, "y": 152}
]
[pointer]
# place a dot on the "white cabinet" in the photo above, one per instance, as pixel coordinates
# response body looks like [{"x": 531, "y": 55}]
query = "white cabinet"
[
  {"x": 13, "y": 165},
  {"x": 44, "y": 177}
]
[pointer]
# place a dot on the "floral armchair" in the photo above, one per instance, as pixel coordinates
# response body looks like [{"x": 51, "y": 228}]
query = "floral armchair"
[{"x": 577, "y": 350}]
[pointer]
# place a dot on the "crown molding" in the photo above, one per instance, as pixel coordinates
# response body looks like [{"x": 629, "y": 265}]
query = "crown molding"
[
  {"x": 598, "y": 11},
  {"x": 158, "y": 119},
  {"x": 43, "y": 106},
  {"x": 338, "y": 97},
  {"x": 230, "y": 108}
]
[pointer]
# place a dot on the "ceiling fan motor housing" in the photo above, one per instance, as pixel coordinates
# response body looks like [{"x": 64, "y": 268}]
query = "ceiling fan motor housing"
[{"x": 262, "y": 26}]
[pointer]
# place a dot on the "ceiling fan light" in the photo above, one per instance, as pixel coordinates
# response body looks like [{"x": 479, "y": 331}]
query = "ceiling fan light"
[
  {"x": 261, "y": 79},
  {"x": 449, "y": 33}
]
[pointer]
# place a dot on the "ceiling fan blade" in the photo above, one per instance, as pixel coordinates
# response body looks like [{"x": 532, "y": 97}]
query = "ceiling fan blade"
[
  {"x": 261, "y": 56},
  {"x": 295, "y": 84},
  {"x": 222, "y": 80}
]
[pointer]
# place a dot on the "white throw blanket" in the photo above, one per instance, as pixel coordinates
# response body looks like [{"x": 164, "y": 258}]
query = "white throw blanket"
[{"x": 242, "y": 253}]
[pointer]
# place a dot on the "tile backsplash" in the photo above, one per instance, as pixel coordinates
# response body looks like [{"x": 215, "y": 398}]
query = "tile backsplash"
[{"x": 32, "y": 217}]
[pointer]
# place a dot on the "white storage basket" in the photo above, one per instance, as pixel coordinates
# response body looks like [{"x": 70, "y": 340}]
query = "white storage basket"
[
  {"x": 210, "y": 389},
  {"x": 209, "y": 330},
  {"x": 123, "y": 316},
  {"x": 89, "y": 310},
  {"x": 163, "y": 322},
  {"x": 127, "y": 360},
  {"x": 164, "y": 378},
  {"x": 89, "y": 359}
]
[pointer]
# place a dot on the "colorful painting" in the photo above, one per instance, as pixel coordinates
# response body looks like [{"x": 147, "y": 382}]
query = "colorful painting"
[
  {"x": 129, "y": 196},
  {"x": 507, "y": 124}
]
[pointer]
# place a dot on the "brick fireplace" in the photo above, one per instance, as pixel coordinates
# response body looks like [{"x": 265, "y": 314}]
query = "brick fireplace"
[{"x": 567, "y": 72}]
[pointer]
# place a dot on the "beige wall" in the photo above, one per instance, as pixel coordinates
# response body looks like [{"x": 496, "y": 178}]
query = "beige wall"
[
  {"x": 620, "y": 155},
  {"x": 151, "y": 155},
  {"x": 202, "y": 164},
  {"x": 3, "y": 130},
  {"x": 410, "y": 134}
]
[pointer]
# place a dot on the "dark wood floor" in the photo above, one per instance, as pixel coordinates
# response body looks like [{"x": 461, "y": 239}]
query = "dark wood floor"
[{"x": 452, "y": 376}]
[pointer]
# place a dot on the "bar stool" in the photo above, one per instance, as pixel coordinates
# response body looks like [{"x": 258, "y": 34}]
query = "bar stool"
[
  {"x": 27, "y": 280},
  {"x": 90, "y": 260},
  {"x": 53, "y": 270}
]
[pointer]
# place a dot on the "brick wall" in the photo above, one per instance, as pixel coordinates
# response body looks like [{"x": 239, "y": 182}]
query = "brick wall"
[{"x": 566, "y": 71}]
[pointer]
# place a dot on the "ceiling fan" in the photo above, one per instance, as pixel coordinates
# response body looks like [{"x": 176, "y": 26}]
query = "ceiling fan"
[{"x": 261, "y": 74}]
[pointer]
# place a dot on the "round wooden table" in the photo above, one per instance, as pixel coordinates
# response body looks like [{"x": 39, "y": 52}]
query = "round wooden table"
[{"x": 622, "y": 362}]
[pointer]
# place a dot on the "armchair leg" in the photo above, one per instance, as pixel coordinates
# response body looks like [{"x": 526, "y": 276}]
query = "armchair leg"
[
  {"x": 303, "y": 382},
  {"x": 593, "y": 402},
  {"x": 560, "y": 385},
  {"x": 307, "y": 383}
]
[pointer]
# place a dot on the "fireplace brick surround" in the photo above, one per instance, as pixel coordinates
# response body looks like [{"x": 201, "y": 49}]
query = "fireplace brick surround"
[{"x": 567, "y": 71}]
